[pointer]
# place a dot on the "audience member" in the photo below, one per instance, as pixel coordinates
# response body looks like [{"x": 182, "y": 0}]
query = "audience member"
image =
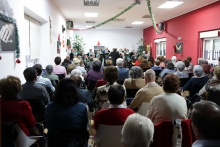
[
  {"x": 162, "y": 61},
  {"x": 181, "y": 73},
  {"x": 135, "y": 80},
  {"x": 205, "y": 123},
  {"x": 111, "y": 75},
  {"x": 58, "y": 69},
  {"x": 156, "y": 65},
  {"x": 174, "y": 60},
  {"x": 85, "y": 95},
  {"x": 43, "y": 81},
  {"x": 122, "y": 72},
  {"x": 116, "y": 114},
  {"x": 50, "y": 75},
  {"x": 211, "y": 89},
  {"x": 146, "y": 93},
  {"x": 12, "y": 107},
  {"x": 69, "y": 68},
  {"x": 168, "y": 106},
  {"x": 66, "y": 117},
  {"x": 196, "y": 82},
  {"x": 170, "y": 68},
  {"x": 187, "y": 66},
  {"x": 137, "y": 131},
  {"x": 191, "y": 64},
  {"x": 207, "y": 70},
  {"x": 35, "y": 94},
  {"x": 96, "y": 73}
]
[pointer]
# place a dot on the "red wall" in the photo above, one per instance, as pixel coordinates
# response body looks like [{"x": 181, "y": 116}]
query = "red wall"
[{"x": 188, "y": 27}]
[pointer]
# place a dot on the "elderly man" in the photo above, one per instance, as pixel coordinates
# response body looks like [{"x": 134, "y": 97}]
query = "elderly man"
[
  {"x": 146, "y": 93},
  {"x": 205, "y": 123},
  {"x": 143, "y": 128},
  {"x": 122, "y": 72},
  {"x": 50, "y": 75}
]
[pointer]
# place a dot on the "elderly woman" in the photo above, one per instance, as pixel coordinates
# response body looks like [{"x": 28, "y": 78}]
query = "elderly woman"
[
  {"x": 170, "y": 105},
  {"x": 13, "y": 108},
  {"x": 196, "y": 82},
  {"x": 66, "y": 117},
  {"x": 143, "y": 129},
  {"x": 111, "y": 76},
  {"x": 181, "y": 73},
  {"x": 135, "y": 80},
  {"x": 169, "y": 69},
  {"x": 211, "y": 89},
  {"x": 116, "y": 114}
]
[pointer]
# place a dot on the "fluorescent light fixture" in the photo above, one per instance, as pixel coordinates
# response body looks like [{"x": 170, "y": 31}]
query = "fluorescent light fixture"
[
  {"x": 170, "y": 4},
  {"x": 91, "y": 14},
  {"x": 137, "y": 22},
  {"x": 88, "y": 26}
]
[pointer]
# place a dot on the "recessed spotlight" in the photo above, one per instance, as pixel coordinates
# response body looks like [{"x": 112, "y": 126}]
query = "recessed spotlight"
[
  {"x": 91, "y": 14},
  {"x": 88, "y": 26},
  {"x": 137, "y": 22}
]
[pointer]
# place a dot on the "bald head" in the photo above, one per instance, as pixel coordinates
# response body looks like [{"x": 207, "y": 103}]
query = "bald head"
[
  {"x": 206, "y": 120},
  {"x": 150, "y": 76}
]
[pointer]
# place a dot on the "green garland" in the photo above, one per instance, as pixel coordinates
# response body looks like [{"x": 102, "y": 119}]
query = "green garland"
[
  {"x": 152, "y": 18},
  {"x": 119, "y": 14},
  {"x": 12, "y": 20}
]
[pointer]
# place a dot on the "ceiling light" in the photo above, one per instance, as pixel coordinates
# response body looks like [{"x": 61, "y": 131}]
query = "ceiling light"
[
  {"x": 137, "y": 22},
  {"x": 88, "y": 26},
  {"x": 91, "y": 14},
  {"x": 170, "y": 4}
]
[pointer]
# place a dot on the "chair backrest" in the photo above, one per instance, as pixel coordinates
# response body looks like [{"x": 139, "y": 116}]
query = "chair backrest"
[
  {"x": 183, "y": 81},
  {"x": 108, "y": 136},
  {"x": 164, "y": 136},
  {"x": 13, "y": 133},
  {"x": 107, "y": 104},
  {"x": 61, "y": 76},
  {"x": 91, "y": 85},
  {"x": 54, "y": 82},
  {"x": 157, "y": 72},
  {"x": 131, "y": 92},
  {"x": 143, "y": 109}
]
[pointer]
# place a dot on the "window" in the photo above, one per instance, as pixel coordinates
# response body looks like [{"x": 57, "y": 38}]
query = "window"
[
  {"x": 32, "y": 37},
  {"x": 211, "y": 49},
  {"x": 160, "y": 47}
]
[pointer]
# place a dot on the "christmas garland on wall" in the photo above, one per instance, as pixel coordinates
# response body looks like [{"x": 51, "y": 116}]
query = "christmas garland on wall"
[{"x": 12, "y": 20}]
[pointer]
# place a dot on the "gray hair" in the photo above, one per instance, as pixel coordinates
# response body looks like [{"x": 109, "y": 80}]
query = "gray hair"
[
  {"x": 119, "y": 62},
  {"x": 76, "y": 72},
  {"x": 180, "y": 65},
  {"x": 198, "y": 70},
  {"x": 139, "y": 125},
  {"x": 150, "y": 73},
  {"x": 173, "y": 58},
  {"x": 202, "y": 61},
  {"x": 135, "y": 72}
]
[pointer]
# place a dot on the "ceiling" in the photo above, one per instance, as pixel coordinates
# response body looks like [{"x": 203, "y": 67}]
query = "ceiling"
[{"x": 75, "y": 9}]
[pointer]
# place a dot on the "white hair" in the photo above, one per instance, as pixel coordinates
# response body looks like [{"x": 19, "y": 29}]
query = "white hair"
[
  {"x": 119, "y": 62},
  {"x": 180, "y": 65},
  {"x": 173, "y": 58},
  {"x": 198, "y": 70},
  {"x": 137, "y": 131}
]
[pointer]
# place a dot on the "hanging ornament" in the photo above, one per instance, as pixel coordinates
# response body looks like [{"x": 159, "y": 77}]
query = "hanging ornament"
[
  {"x": 98, "y": 43},
  {"x": 18, "y": 61}
]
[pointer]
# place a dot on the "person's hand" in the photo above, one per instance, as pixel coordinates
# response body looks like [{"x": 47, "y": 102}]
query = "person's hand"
[{"x": 6, "y": 32}]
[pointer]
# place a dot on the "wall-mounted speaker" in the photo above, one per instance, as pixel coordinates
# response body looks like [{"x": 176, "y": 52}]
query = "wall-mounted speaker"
[{"x": 161, "y": 26}]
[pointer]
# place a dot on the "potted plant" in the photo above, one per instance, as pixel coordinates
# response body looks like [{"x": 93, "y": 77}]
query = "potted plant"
[
  {"x": 78, "y": 44},
  {"x": 141, "y": 47}
]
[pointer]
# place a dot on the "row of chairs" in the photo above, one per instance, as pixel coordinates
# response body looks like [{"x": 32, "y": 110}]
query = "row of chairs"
[{"x": 166, "y": 133}]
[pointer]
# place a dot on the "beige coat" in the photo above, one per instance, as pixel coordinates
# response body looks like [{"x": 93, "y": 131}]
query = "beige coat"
[{"x": 145, "y": 94}]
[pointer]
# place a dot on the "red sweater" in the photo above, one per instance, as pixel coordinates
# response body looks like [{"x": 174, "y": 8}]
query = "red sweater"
[
  {"x": 19, "y": 111},
  {"x": 111, "y": 116}
]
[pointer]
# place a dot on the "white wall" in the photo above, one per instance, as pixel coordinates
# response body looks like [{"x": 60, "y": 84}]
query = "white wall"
[
  {"x": 110, "y": 38},
  {"x": 41, "y": 10}
]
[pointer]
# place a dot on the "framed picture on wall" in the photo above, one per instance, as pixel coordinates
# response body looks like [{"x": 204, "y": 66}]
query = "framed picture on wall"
[
  {"x": 179, "y": 47},
  {"x": 8, "y": 34}
]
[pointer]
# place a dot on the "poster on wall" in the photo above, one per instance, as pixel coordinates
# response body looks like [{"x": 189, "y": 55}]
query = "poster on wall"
[
  {"x": 179, "y": 47},
  {"x": 8, "y": 34}
]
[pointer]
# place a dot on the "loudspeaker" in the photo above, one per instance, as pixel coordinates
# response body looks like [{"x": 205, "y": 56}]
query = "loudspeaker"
[{"x": 161, "y": 26}]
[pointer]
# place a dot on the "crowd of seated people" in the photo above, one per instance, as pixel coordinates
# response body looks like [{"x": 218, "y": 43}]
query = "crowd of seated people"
[{"x": 113, "y": 82}]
